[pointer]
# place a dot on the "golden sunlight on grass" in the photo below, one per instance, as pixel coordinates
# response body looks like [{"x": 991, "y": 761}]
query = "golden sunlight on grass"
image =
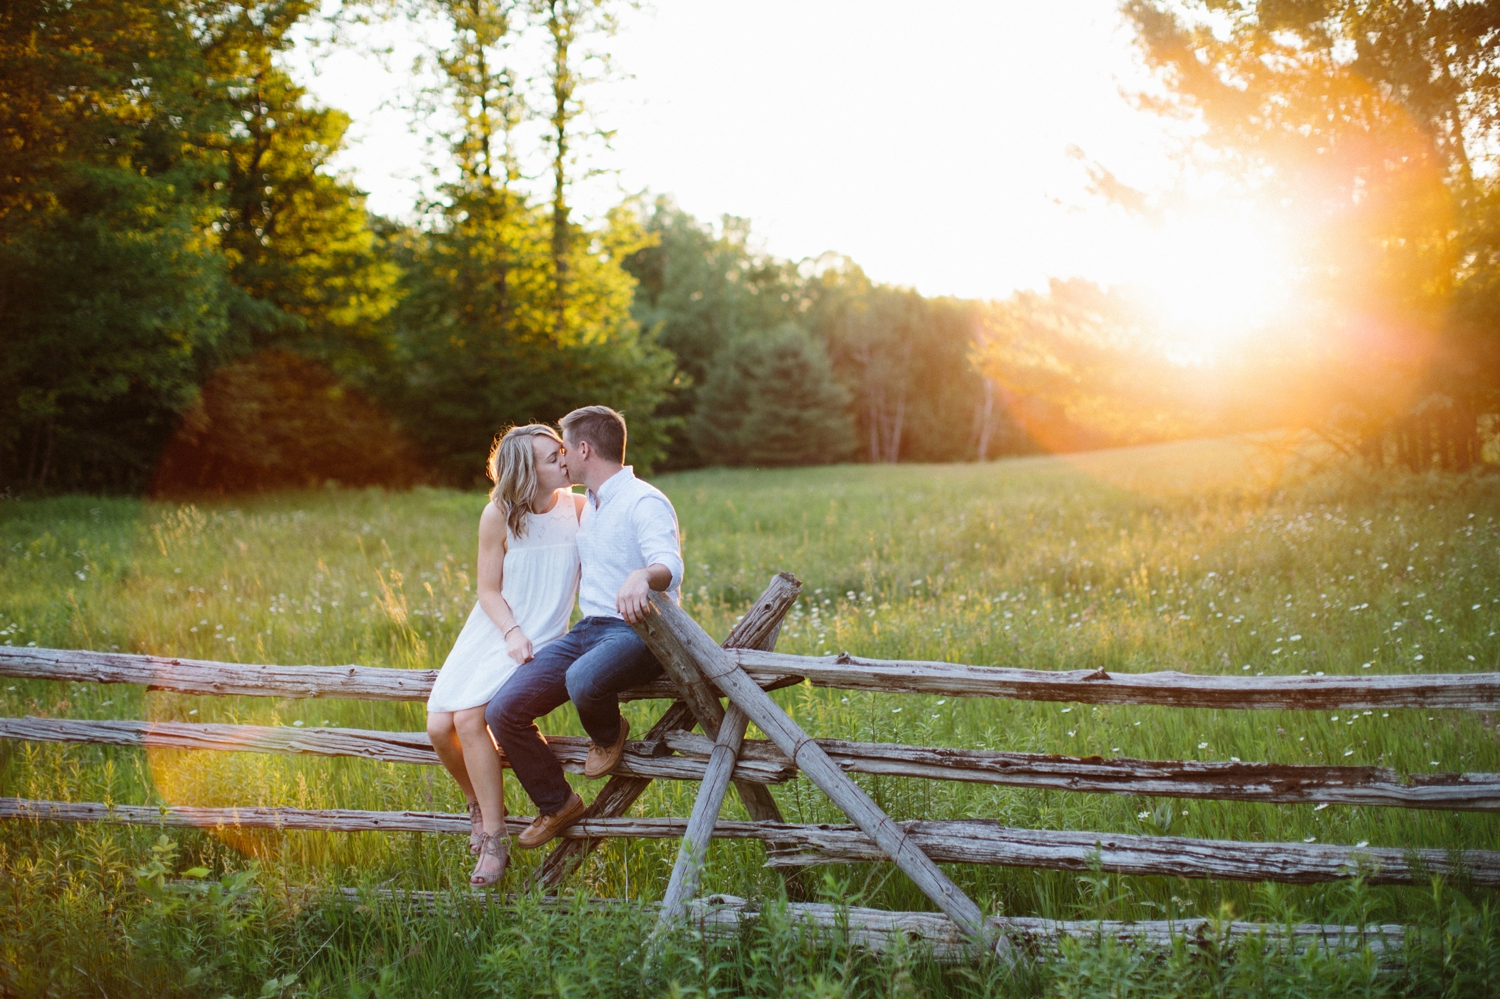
[{"x": 1232, "y": 556}]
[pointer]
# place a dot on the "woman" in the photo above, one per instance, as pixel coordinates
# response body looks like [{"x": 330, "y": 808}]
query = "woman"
[{"x": 528, "y": 577}]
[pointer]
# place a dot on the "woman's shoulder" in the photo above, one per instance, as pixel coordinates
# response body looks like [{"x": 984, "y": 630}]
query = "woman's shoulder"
[{"x": 492, "y": 521}]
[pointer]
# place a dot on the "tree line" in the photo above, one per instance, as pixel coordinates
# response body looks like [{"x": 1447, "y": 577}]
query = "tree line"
[{"x": 191, "y": 300}]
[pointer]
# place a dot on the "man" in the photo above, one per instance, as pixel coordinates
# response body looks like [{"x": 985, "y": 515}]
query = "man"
[{"x": 628, "y": 544}]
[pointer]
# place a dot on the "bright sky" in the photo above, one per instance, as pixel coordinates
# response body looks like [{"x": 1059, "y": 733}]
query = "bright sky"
[{"x": 930, "y": 143}]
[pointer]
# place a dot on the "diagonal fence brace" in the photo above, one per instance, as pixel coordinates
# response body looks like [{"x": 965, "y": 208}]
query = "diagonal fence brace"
[
  {"x": 678, "y": 641},
  {"x": 758, "y": 629}
]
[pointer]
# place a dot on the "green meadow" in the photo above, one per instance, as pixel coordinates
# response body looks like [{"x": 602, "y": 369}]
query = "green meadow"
[{"x": 1229, "y": 557}]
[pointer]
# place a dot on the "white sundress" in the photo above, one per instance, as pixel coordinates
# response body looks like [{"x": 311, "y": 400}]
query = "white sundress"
[{"x": 539, "y": 582}]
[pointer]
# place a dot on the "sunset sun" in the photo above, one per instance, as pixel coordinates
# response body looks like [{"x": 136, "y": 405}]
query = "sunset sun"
[{"x": 1213, "y": 280}]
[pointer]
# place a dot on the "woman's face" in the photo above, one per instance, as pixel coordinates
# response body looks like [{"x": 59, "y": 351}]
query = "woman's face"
[{"x": 551, "y": 466}]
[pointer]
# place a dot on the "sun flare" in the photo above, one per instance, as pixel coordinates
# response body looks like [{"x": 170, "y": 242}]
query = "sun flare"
[{"x": 1213, "y": 280}]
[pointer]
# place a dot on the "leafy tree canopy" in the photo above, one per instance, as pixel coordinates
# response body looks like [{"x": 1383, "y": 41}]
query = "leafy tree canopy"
[
  {"x": 1371, "y": 127},
  {"x": 162, "y": 211},
  {"x": 772, "y": 399}
]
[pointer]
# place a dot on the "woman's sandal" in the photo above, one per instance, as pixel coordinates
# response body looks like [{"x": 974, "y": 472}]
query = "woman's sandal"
[
  {"x": 491, "y": 848},
  {"x": 476, "y": 831}
]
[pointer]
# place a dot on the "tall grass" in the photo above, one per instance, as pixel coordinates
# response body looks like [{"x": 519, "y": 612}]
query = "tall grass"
[{"x": 1207, "y": 557}]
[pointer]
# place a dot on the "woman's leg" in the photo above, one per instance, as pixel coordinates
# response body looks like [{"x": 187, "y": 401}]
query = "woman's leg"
[
  {"x": 483, "y": 766},
  {"x": 483, "y": 762},
  {"x": 445, "y": 742}
]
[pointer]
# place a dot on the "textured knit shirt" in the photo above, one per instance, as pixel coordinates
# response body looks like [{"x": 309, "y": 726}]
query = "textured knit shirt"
[{"x": 627, "y": 525}]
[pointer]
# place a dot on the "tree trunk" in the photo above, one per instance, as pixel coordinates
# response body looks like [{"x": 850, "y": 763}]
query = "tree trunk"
[
  {"x": 562, "y": 26},
  {"x": 41, "y": 479},
  {"x": 36, "y": 445},
  {"x": 1465, "y": 435},
  {"x": 986, "y": 418},
  {"x": 893, "y": 443},
  {"x": 898, "y": 418}
]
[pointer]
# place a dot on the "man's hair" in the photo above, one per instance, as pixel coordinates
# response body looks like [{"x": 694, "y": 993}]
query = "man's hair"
[{"x": 601, "y": 426}]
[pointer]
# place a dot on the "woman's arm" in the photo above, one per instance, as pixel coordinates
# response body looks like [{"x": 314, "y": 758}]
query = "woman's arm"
[{"x": 491, "y": 575}]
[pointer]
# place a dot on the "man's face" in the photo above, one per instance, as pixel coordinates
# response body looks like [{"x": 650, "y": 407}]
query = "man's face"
[{"x": 573, "y": 459}]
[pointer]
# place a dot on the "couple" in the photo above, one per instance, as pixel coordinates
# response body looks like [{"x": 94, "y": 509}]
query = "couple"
[{"x": 515, "y": 659}]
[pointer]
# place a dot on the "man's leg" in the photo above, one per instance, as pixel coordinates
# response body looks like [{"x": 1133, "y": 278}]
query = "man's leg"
[
  {"x": 533, "y": 690},
  {"x": 614, "y": 659}
]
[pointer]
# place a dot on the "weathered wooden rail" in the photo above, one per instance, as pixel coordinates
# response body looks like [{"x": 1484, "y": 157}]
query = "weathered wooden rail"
[
  {"x": 699, "y": 672},
  {"x": 388, "y": 747},
  {"x": 1461, "y": 691},
  {"x": 760, "y": 762},
  {"x": 878, "y": 929},
  {"x": 964, "y": 841},
  {"x": 218, "y": 679}
]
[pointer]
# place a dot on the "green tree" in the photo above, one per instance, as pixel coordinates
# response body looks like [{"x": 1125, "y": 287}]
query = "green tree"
[
  {"x": 112, "y": 291},
  {"x": 569, "y": 24},
  {"x": 164, "y": 209},
  {"x": 703, "y": 286},
  {"x": 1374, "y": 125},
  {"x": 478, "y": 339},
  {"x": 298, "y": 241},
  {"x": 771, "y": 399},
  {"x": 904, "y": 358},
  {"x": 699, "y": 287},
  {"x": 310, "y": 288}
]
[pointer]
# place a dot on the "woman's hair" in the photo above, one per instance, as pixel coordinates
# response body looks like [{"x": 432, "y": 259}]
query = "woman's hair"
[{"x": 512, "y": 468}]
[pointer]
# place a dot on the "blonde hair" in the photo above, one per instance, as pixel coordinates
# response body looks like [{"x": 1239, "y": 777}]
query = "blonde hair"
[{"x": 512, "y": 468}]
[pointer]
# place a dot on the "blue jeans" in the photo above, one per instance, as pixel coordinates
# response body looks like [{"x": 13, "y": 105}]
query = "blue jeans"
[{"x": 590, "y": 665}]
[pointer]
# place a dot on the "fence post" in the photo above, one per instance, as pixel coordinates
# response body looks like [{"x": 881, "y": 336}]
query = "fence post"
[
  {"x": 681, "y": 644},
  {"x": 687, "y": 872},
  {"x": 728, "y": 732}
]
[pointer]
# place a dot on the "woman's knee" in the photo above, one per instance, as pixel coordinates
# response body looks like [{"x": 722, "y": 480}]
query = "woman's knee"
[
  {"x": 440, "y": 726},
  {"x": 470, "y": 723}
]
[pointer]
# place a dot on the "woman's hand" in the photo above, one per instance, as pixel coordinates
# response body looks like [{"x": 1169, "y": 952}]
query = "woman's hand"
[{"x": 518, "y": 645}]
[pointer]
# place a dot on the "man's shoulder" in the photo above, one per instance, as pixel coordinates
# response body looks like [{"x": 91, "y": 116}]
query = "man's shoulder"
[
  {"x": 640, "y": 489},
  {"x": 647, "y": 501}
]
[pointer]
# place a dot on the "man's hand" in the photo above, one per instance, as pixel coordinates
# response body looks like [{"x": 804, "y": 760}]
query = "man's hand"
[{"x": 634, "y": 599}]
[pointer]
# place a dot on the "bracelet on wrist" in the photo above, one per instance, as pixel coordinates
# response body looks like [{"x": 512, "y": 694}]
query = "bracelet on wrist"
[{"x": 507, "y": 631}]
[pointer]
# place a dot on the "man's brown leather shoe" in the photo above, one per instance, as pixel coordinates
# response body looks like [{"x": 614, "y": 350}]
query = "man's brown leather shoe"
[
  {"x": 544, "y": 827},
  {"x": 601, "y": 760}
]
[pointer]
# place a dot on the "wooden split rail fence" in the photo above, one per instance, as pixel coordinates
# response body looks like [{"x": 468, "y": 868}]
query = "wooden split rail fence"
[{"x": 700, "y": 671}]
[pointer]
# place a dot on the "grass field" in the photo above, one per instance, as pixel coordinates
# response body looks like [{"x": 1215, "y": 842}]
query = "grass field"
[{"x": 1209, "y": 557}]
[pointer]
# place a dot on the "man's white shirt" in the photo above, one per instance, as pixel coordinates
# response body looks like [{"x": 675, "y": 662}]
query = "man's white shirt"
[{"x": 627, "y": 525}]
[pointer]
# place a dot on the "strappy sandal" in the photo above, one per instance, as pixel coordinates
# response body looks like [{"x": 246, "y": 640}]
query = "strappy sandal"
[
  {"x": 491, "y": 847},
  {"x": 476, "y": 831}
]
